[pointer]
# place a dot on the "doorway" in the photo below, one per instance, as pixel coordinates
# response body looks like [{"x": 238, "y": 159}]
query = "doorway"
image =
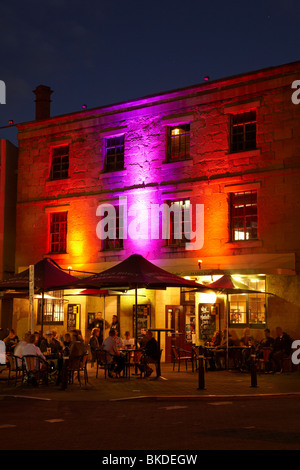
[{"x": 176, "y": 318}]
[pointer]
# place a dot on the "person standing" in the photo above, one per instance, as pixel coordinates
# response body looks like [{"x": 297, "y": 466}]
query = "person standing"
[
  {"x": 115, "y": 325},
  {"x": 94, "y": 344}
]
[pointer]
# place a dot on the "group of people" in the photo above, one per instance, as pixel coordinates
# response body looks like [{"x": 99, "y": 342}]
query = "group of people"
[
  {"x": 277, "y": 348},
  {"x": 115, "y": 348}
]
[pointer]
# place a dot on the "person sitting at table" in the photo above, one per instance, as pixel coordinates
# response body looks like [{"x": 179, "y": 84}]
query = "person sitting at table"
[
  {"x": 47, "y": 343},
  {"x": 67, "y": 344},
  {"x": 142, "y": 341},
  {"x": 76, "y": 349},
  {"x": 220, "y": 350},
  {"x": 264, "y": 349},
  {"x": 94, "y": 344},
  {"x": 151, "y": 354},
  {"x": 282, "y": 348},
  {"x": 31, "y": 349},
  {"x": 114, "y": 358},
  {"x": 128, "y": 342},
  {"x": 249, "y": 345},
  {"x": 11, "y": 341}
]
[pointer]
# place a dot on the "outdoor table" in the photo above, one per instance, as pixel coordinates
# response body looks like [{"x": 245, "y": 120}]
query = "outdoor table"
[
  {"x": 159, "y": 331},
  {"x": 64, "y": 373},
  {"x": 127, "y": 353}
]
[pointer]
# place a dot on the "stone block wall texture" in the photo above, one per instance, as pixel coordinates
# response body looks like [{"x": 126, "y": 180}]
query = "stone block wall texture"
[{"x": 206, "y": 178}]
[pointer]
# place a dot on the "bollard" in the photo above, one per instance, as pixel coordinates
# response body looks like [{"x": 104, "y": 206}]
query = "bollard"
[
  {"x": 201, "y": 380},
  {"x": 253, "y": 371}
]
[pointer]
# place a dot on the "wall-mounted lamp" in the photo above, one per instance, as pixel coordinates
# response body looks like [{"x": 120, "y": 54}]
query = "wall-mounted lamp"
[
  {"x": 199, "y": 263},
  {"x": 69, "y": 268}
]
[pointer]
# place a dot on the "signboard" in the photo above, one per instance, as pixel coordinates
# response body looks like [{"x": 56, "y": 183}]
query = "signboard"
[
  {"x": 31, "y": 295},
  {"x": 207, "y": 321},
  {"x": 73, "y": 317},
  {"x": 143, "y": 317}
]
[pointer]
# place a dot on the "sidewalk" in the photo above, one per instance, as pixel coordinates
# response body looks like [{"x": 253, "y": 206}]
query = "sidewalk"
[{"x": 172, "y": 385}]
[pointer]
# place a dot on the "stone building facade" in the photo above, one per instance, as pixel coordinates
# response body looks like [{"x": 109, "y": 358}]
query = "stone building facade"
[
  {"x": 230, "y": 147},
  {"x": 8, "y": 194}
]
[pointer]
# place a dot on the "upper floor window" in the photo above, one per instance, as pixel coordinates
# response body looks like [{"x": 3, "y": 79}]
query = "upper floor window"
[
  {"x": 114, "y": 240},
  {"x": 243, "y": 215},
  {"x": 58, "y": 232},
  {"x": 114, "y": 153},
  {"x": 179, "y": 142},
  {"x": 179, "y": 222},
  {"x": 243, "y": 131},
  {"x": 59, "y": 162}
]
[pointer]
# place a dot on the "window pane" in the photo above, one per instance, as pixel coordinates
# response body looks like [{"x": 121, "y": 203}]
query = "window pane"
[
  {"x": 114, "y": 153},
  {"x": 60, "y": 162},
  {"x": 58, "y": 232},
  {"x": 179, "y": 142},
  {"x": 244, "y": 215},
  {"x": 243, "y": 131},
  {"x": 238, "y": 309}
]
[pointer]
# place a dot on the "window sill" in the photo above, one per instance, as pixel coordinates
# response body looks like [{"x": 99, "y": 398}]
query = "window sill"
[
  {"x": 245, "y": 153},
  {"x": 49, "y": 181},
  {"x": 173, "y": 248},
  {"x": 60, "y": 254},
  {"x": 245, "y": 244},
  {"x": 106, "y": 173},
  {"x": 178, "y": 163}
]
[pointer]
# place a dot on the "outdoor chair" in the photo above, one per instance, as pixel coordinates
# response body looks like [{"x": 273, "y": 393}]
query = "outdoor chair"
[
  {"x": 35, "y": 370},
  {"x": 77, "y": 365},
  {"x": 104, "y": 361},
  {"x": 16, "y": 367},
  {"x": 145, "y": 360},
  {"x": 5, "y": 368},
  {"x": 181, "y": 355}
]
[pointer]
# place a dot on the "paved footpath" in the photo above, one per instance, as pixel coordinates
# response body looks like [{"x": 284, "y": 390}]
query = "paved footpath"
[{"x": 172, "y": 385}]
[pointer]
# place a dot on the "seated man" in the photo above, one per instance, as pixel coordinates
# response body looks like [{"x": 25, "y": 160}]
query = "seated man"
[
  {"x": 114, "y": 357},
  {"x": 282, "y": 348},
  {"x": 49, "y": 342},
  {"x": 151, "y": 354}
]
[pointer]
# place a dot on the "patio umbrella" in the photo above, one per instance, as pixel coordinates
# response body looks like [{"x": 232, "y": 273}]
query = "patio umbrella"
[
  {"x": 228, "y": 285},
  {"x": 137, "y": 272},
  {"x": 48, "y": 276}
]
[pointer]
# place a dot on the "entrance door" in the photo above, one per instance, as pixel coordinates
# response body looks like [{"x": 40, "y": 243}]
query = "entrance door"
[{"x": 175, "y": 319}]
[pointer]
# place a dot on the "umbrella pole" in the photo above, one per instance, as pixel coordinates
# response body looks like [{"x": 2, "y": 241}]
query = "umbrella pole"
[
  {"x": 136, "y": 326},
  {"x": 227, "y": 326},
  {"x": 42, "y": 322},
  {"x": 103, "y": 317}
]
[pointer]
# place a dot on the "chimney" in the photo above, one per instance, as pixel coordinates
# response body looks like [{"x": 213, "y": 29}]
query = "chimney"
[{"x": 42, "y": 102}]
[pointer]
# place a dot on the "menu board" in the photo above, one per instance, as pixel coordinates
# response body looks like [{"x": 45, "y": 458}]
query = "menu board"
[
  {"x": 73, "y": 316},
  {"x": 207, "y": 321},
  {"x": 143, "y": 317}
]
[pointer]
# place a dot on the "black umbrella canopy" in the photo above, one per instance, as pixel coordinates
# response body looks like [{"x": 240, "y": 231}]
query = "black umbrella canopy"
[
  {"x": 137, "y": 272},
  {"x": 47, "y": 276},
  {"x": 228, "y": 285}
]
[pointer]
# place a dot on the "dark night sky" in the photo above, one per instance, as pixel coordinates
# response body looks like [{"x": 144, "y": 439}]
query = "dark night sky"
[{"x": 102, "y": 52}]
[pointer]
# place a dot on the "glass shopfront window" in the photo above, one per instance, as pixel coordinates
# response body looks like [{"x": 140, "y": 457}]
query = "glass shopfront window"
[{"x": 249, "y": 309}]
